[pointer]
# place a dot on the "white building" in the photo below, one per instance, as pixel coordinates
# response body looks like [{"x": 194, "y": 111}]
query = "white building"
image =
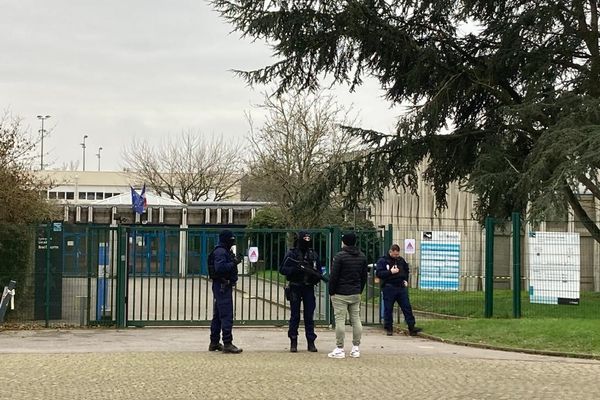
[
  {"x": 86, "y": 187},
  {"x": 103, "y": 197}
]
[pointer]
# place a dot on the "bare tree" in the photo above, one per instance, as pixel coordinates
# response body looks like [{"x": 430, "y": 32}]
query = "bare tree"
[
  {"x": 72, "y": 165},
  {"x": 188, "y": 169},
  {"x": 291, "y": 153},
  {"x": 20, "y": 200}
]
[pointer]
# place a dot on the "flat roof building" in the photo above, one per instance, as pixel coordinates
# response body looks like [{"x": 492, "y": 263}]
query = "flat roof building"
[{"x": 104, "y": 197}]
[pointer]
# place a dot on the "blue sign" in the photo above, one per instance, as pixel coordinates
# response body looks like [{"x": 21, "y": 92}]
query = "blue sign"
[{"x": 440, "y": 260}]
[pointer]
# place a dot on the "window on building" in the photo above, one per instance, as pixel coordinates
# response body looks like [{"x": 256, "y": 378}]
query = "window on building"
[
  {"x": 70, "y": 195},
  {"x": 90, "y": 195},
  {"x": 81, "y": 195},
  {"x": 52, "y": 195},
  {"x": 61, "y": 195},
  {"x": 99, "y": 195}
]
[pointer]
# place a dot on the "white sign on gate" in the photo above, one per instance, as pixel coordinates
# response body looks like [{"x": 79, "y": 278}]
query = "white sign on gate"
[
  {"x": 409, "y": 246},
  {"x": 554, "y": 267},
  {"x": 253, "y": 254}
]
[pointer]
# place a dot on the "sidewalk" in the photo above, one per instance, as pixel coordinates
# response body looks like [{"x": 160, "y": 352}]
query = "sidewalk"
[{"x": 251, "y": 339}]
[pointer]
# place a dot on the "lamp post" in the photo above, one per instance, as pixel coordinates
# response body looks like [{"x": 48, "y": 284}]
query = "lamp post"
[
  {"x": 98, "y": 155},
  {"x": 83, "y": 148},
  {"x": 42, "y": 131}
]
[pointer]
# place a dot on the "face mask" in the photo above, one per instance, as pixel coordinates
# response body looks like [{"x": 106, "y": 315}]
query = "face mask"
[{"x": 305, "y": 242}]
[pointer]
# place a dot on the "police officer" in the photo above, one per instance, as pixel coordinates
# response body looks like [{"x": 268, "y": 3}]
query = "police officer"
[
  {"x": 224, "y": 273},
  {"x": 301, "y": 290},
  {"x": 393, "y": 271}
]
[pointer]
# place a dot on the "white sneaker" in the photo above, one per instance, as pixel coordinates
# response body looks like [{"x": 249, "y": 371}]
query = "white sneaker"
[
  {"x": 355, "y": 353},
  {"x": 337, "y": 353}
]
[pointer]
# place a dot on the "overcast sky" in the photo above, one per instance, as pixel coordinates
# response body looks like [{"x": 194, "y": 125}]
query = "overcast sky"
[{"x": 144, "y": 69}]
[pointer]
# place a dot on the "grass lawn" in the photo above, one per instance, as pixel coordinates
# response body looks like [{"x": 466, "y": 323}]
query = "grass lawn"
[
  {"x": 471, "y": 304},
  {"x": 569, "y": 335},
  {"x": 562, "y": 328}
]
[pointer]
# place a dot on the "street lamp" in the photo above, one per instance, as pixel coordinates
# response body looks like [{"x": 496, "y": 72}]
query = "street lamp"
[
  {"x": 98, "y": 155},
  {"x": 42, "y": 131},
  {"x": 83, "y": 147}
]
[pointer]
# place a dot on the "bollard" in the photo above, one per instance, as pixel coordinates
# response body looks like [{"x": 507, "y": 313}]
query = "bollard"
[{"x": 7, "y": 298}]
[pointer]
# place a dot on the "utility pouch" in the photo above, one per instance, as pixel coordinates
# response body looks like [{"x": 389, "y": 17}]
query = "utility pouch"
[
  {"x": 288, "y": 292},
  {"x": 212, "y": 274}
]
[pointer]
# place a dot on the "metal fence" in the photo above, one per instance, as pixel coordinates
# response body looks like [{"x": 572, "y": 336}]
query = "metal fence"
[
  {"x": 550, "y": 270},
  {"x": 141, "y": 275}
]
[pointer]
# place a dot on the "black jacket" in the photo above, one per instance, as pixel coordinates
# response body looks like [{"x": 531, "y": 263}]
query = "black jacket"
[
  {"x": 384, "y": 265},
  {"x": 348, "y": 272},
  {"x": 224, "y": 261}
]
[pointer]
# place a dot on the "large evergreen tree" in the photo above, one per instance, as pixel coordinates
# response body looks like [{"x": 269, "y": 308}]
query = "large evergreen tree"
[{"x": 504, "y": 94}]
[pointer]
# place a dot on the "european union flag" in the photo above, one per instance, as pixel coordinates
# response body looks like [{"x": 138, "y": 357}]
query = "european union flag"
[{"x": 138, "y": 200}]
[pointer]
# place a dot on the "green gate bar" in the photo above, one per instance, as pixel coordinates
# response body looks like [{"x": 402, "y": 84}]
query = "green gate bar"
[
  {"x": 489, "y": 267},
  {"x": 516, "y": 238}
]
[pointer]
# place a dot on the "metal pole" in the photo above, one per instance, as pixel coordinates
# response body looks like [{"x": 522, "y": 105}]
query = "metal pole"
[
  {"x": 516, "y": 237},
  {"x": 42, "y": 131},
  {"x": 42, "y": 147},
  {"x": 98, "y": 155},
  {"x": 489, "y": 267},
  {"x": 48, "y": 241},
  {"x": 336, "y": 245},
  {"x": 83, "y": 149},
  {"x": 121, "y": 317},
  {"x": 388, "y": 238}
]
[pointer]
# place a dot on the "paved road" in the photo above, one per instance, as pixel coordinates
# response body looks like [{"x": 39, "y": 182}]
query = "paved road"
[{"x": 172, "y": 363}]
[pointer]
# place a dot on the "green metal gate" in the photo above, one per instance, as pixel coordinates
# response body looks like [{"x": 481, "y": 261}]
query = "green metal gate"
[
  {"x": 153, "y": 276},
  {"x": 168, "y": 283}
]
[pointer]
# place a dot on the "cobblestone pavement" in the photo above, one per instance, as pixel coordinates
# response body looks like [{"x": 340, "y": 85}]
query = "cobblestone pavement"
[{"x": 169, "y": 363}]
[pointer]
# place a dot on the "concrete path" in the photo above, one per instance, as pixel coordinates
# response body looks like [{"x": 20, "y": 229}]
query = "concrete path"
[{"x": 173, "y": 363}]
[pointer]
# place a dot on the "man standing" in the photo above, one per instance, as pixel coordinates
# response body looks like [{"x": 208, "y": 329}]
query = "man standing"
[
  {"x": 393, "y": 272},
  {"x": 302, "y": 269},
  {"x": 222, "y": 269},
  {"x": 347, "y": 280}
]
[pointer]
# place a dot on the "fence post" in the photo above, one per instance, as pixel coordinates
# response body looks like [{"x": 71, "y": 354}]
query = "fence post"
[
  {"x": 516, "y": 238},
  {"x": 336, "y": 244},
  {"x": 121, "y": 277},
  {"x": 388, "y": 238},
  {"x": 489, "y": 267},
  {"x": 48, "y": 240},
  {"x": 90, "y": 274}
]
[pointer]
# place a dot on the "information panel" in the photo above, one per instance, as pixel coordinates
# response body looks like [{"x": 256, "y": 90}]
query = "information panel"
[
  {"x": 554, "y": 267},
  {"x": 440, "y": 260}
]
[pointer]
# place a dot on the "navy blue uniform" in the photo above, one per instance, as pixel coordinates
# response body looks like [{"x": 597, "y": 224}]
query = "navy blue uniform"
[
  {"x": 301, "y": 286},
  {"x": 222, "y": 288},
  {"x": 394, "y": 290}
]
